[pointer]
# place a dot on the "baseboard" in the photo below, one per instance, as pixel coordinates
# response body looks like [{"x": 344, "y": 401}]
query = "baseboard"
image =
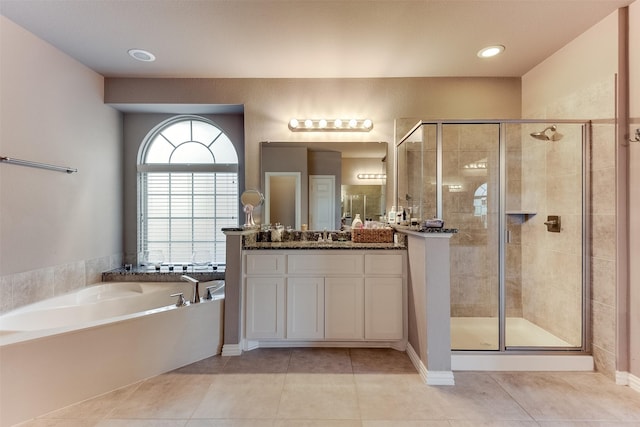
[
  {"x": 231, "y": 350},
  {"x": 625, "y": 378},
  {"x": 429, "y": 377},
  {"x": 521, "y": 362}
]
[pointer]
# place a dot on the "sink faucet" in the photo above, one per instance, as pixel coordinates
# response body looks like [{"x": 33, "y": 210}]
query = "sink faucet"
[{"x": 196, "y": 291}]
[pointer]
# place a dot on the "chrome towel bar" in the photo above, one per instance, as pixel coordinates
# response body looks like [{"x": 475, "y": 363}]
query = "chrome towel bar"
[{"x": 14, "y": 161}]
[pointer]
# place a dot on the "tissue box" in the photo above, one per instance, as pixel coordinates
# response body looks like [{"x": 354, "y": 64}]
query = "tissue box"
[{"x": 372, "y": 235}]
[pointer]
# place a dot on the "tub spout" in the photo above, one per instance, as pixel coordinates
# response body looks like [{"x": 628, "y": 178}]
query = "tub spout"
[{"x": 196, "y": 291}]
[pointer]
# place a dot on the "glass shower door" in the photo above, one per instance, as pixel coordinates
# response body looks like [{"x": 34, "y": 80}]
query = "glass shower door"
[
  {"x": 471, "y": 203},
  {"x": 544, "y": 239}
]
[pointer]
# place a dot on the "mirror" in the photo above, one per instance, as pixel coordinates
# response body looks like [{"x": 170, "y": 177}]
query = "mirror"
[
  {"x": 341, "y": 160},
  {"x": 250, "y": 200}
]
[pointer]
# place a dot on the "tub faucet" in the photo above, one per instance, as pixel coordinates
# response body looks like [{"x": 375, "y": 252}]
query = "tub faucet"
[{"x": 196, "y": 291}]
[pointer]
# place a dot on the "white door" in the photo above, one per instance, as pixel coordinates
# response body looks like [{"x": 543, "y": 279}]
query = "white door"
[{"x": 322, "y": 202}]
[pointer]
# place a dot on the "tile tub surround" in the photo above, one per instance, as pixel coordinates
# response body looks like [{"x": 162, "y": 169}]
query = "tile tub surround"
[
  {"x": 350, "y": 388},
  {"x": 20, "y": 289}
]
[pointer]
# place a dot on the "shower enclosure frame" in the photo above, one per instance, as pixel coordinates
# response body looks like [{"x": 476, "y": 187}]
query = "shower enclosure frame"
[{"x": 585, "y": 347}]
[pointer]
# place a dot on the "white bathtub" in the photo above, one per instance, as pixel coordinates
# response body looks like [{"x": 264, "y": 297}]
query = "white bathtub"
[{"x": 69, "y": 348}]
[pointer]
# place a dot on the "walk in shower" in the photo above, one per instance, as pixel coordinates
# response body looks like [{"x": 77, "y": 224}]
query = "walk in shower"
[{"x": 517, "y": 192}]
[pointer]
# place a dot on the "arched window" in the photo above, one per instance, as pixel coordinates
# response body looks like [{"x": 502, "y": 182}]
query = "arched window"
[
  {"x": 480, "y": 203},
  {"x": 187, "y": 191}
]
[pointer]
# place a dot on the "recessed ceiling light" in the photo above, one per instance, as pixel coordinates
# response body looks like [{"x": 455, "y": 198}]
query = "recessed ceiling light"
[
  {"x": 490, "y": 51},
  {"x": 141, "y": 55}
]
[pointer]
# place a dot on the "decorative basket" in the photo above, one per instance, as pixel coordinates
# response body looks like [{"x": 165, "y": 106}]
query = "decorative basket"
[{"x": 372, "y": 235}]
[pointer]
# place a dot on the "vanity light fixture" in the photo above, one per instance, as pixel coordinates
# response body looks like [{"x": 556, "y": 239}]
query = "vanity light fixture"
[
  {"x": 490, "y": 51},
  {"x": 372, "y": 176},
  {"x": 330, "y": 125}
]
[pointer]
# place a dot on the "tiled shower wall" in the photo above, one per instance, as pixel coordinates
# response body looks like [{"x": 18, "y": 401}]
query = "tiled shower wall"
[
  {"x": 597, "y": 103},
  {"x": 17, "y": 290},
  {"x": 552, "y": 262}
]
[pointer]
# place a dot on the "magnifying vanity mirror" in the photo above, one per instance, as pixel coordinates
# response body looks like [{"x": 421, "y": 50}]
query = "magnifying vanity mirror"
[
  {"x": 250, "y": 200},
  {"x": 317, "y": 183}
]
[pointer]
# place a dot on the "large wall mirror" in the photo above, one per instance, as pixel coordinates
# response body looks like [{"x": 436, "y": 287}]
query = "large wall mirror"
[{"x": 337, "y": 180}]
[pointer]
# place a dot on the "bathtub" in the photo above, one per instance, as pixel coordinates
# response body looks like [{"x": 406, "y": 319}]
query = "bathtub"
[{"x": 75, "y": 346}]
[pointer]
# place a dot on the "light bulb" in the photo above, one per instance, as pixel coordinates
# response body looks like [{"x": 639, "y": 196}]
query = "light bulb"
[
  {"x": 322, "y": 123},
  {"x": 293, "y": 123},
  {"x": 308, "y": 123},
  {"x": 367, "y": 124},
  {"x": 337, "y": 123}
]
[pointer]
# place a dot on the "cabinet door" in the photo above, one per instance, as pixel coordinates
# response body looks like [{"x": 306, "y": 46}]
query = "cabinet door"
[
  {"x": 305, "y": 308},
  {"x": 383, "y": 308},
  {"x": 265, "y": 308},
  {"x": 344, "y": 308}
]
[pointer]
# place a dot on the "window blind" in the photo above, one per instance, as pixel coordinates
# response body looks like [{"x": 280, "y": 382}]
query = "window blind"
[{"x": 184, "y": 212}]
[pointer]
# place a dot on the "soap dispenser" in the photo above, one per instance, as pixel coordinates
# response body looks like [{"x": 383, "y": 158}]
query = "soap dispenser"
[{"x": 357, "y": 222}]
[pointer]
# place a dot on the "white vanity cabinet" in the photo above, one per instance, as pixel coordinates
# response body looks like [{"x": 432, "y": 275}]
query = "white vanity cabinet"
[
  {"x": 265, "y": 296},
  {"x": 384, "y": 297},
  {"x": 323, "y": 295}
]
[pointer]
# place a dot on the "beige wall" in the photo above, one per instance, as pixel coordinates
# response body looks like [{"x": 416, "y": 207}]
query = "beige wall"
[
  {"x": 577, "y": 82},
  {"x": 57, "y": 231},
  {"x": 270, "y": 103}
]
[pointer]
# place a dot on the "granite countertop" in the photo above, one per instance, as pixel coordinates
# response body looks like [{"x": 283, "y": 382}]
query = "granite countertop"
[
  {"x": 309, "y": 245},
  {"x": 142, "y": 274}
]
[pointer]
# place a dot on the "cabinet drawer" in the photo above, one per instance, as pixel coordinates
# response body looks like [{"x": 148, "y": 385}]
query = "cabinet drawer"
[
  {"x": 383, "y": 264},
  {"x": 328, "y": 264},
  {"x": 264, "y": 264}
]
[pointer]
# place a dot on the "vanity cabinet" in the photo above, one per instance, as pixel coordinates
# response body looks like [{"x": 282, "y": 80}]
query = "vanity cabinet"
[
  {"x": 353, "y": 296},
  {"x": 265, "y": 296}
]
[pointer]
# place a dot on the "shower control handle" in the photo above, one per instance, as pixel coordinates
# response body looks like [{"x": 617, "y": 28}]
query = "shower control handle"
[{"x": 553, "y": 223}]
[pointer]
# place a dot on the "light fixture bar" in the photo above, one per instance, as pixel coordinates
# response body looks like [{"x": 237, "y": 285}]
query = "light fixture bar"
[
  {"x": 372, "y": 176},
  {"x": 330, "y": 125}
]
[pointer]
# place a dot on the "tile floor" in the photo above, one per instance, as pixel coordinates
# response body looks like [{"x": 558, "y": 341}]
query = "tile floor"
[{"x": 348, "y": 388}]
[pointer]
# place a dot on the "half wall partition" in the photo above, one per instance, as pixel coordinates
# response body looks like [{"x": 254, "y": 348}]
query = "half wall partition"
[{"x": 517, "y": 193}]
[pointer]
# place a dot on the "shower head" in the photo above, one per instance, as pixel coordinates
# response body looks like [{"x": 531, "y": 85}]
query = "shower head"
[{"x": 555, "y": 136}]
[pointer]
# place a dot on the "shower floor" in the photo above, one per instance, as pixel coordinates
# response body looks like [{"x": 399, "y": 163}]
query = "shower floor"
[{"x": 481, "y": 333}]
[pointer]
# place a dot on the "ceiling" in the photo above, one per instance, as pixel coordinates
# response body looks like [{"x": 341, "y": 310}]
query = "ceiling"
[{"x": 308, "y": 38}]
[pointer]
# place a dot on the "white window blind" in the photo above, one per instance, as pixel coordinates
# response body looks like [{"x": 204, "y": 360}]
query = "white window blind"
[{"x": 185, "y": 212}]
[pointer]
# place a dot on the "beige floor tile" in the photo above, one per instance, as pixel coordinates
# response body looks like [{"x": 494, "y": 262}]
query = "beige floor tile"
[
  {"x": 169, "y": 396},
  {"x": 399, "y": 397},
  {"x": 317, "y": 423},
  {"x": 497, "y": 423},
  {"x": 401, "y": 423},
  {"x": 319, "y": 397},
  {"x": 380, "y": 360},
  {"x": 261, "y": 360},
  {"x": 210, "y": 365},
  {"x": 96, "y": 408},
  {"x": 242, "y": 396},
  {"x": 320, "y": 360},
  {"x": 477, "y": 397},
  {"x": 547, "y": 396},
  {"x": 622, "y": 402},
  {"x": 44, "y": 422},
  {"x": 142, "y": 423},
  {"x": 230, "y": 423}
]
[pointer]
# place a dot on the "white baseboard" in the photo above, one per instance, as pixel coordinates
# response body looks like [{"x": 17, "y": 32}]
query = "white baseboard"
[
  {"x": 231, "y": 350},
  {"x": 625, "y": 378},
  {"x": 429, "y": 377},
  {"x": 521, "y": 362}
]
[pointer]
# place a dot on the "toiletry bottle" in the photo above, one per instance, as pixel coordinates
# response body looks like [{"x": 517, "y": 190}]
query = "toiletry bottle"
[{"x": 357, "y": 222}]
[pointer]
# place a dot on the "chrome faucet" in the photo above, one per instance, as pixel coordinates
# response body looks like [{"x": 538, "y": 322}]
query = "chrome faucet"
[{"x": 196, "y": 291}]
